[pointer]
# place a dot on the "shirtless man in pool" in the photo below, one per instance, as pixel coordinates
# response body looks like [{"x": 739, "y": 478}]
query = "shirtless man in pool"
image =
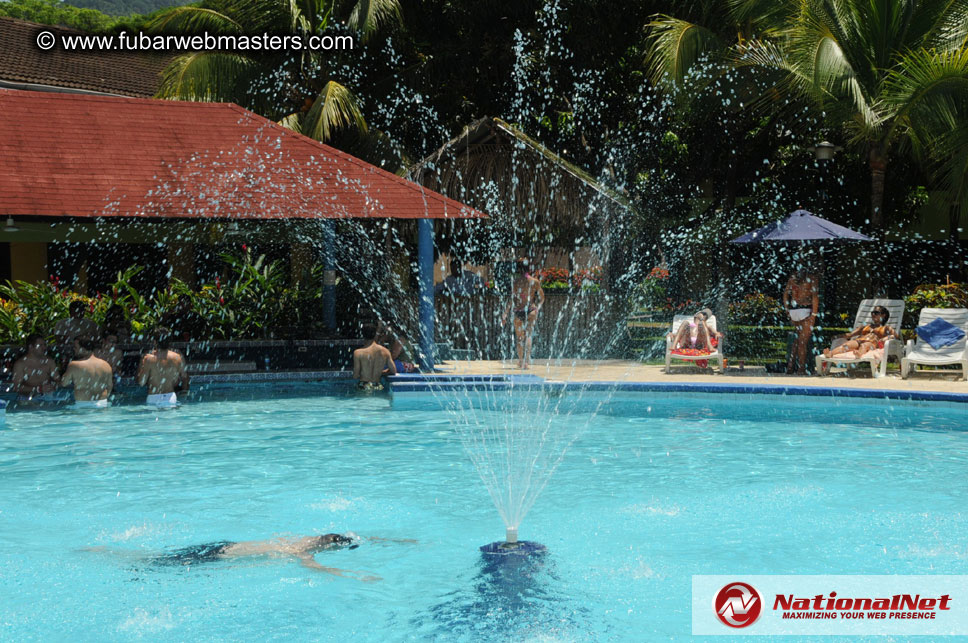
[
  {"x": 91, "y": 376},
  {"x": 163, "y": 371},
  {"x": 371, "y": 362},
  {"x": 35, "y": 373}
]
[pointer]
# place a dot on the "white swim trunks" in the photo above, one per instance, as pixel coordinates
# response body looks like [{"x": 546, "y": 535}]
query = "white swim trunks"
[
  {"x": 799, "y": 314},
  {"x": 162, "y": 400},
  {"x": 91, "y": 404}
]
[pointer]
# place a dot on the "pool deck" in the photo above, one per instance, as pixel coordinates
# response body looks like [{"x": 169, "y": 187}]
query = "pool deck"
[{"x": 636, "y": 372}]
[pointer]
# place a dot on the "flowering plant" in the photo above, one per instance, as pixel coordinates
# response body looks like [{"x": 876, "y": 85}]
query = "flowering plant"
[
  {"x": 561, "y": 279},
  {"x": 587, "y": 279},
  {"x": 651, "y": 291},
  {"x": 553, "y": 278}
]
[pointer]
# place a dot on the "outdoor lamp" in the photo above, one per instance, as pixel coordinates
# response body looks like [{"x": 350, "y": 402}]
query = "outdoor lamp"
[
  {"x": 11, "y": 226},
  {"x": 825, "y": 150}
]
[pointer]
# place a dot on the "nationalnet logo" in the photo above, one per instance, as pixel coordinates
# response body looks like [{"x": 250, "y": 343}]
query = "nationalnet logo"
[
  {"x": 859, "y": 605},
  {"x": 738, "y": 604}
]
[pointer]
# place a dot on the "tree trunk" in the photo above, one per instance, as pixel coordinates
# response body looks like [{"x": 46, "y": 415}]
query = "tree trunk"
[
  {"x": 954, "y": 218},
  {"x": 878, "y": 165}
]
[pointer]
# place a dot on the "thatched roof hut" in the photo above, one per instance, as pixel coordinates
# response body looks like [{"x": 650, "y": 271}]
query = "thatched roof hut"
[{"x": 534, "y": 197}]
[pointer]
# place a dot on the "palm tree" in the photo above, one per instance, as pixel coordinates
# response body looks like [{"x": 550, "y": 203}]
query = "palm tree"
[
  {"x": 291, "y": 87},
  {"x": 886, "y": 71},
  {"x": 878, "y": 69},
  {"x": 710, "y": 30},
  {"x": 929, "y": 91}
]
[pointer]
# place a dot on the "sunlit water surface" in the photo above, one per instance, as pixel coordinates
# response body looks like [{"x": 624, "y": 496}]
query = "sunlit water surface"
[{"x": 654, "y": 492}]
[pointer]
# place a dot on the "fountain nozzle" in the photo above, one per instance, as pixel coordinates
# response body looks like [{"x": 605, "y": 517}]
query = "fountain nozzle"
[{"x": 512, "y": 535}]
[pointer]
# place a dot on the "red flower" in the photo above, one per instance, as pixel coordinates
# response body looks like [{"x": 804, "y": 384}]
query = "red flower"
[
  {"x": 245, "y": 248},
  {"x": 221, "y": 300}
]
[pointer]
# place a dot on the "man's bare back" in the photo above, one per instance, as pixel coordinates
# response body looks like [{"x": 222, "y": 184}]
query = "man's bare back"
[
  {"x": 371, "y": 362},
  {"x": 163, "y": 371},
  {"x": 34, "y": 375},
  {"x": 92, "y": 378}
]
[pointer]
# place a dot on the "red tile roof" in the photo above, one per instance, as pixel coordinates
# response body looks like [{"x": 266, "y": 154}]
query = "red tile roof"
[
  {"x": 128, "y": 73},
  {"x": 87, "y": 156}
]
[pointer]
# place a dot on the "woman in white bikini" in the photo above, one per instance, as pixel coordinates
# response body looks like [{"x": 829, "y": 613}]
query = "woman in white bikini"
[{"x": 801, "y": 301}]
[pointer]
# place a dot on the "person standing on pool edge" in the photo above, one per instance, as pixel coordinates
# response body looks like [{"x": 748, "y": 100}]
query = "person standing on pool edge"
[
  {"x": 524, "y": 292},
  {"x": 801, "y": 301},
  {"x": 163, "y": 371}
]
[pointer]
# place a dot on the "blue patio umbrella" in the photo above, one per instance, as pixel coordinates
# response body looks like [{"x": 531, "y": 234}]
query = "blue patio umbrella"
[{"x": 801, "y": 227}]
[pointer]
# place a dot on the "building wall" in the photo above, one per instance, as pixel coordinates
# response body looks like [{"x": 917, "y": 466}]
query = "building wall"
[{"x": 28, "y": 261}]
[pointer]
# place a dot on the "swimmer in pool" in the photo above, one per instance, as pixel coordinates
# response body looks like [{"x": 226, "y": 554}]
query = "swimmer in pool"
[{"x": 302, "y": 548}]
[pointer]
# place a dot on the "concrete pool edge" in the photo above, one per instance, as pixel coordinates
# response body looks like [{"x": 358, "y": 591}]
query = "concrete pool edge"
[{"x": 440, "y": 384}]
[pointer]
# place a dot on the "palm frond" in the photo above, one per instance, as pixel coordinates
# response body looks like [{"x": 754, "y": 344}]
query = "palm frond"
[
  {"x": 944, "y": 24},
  {"x": 761, "y": 19},
  {"x": 205, "y": 76},
  {"x": 189, "y": 19},
  {"x": 370, "y": 16},
  {"x": 677, "y": 45},
  {"x": 924, "y": 81},
  {"x": 335, "y": 108},
  {"x": 292, "y": 122}
]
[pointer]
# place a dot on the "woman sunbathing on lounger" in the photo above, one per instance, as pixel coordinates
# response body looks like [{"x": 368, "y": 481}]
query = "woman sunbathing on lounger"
[
  {"x": 862, "y": 340},
  {"x": 696, "y": 335}
]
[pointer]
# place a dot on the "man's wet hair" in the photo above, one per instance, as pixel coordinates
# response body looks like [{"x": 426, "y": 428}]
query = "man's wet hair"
[
  {"x": 77, "y": 307},
  {"x": 87, "y": 343},
  {"x": 162, "y": 337},
  {"x": 369, "y": 331},
  {"x": 337, "y": 540},
  {"x": 32, "y": 339}
]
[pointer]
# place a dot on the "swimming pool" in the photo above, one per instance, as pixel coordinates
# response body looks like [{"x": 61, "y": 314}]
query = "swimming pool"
[{"x": 656, "y": 490}]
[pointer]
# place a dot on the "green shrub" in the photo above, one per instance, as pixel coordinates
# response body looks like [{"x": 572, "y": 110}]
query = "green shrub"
[
  {"x": 935, "y": 296},
  {"x": 756, "y": 309},
  {"x": 252, "y": 303}
]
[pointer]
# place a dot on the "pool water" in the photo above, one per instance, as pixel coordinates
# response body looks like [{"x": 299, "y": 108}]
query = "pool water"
[{"x": 655, "y": 490}]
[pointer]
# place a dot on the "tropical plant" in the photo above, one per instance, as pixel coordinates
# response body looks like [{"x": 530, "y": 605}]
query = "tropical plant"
[
  {"x": 252, "y": 302},
  {"x": 553, "y": 278},
  {"x": 295, "y": 88},
  {"x": 34, "y": 306},
  {"x": 936, "y": 296},
  {"x": 710, "y": 31},
  {"x": 651, "y": 291},
  {"x": 888, "y": 73},
  {"x": 755, "y": 309}
]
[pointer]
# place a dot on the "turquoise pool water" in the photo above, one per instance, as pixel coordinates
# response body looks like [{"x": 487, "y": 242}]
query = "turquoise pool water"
[{"x": 656, "y": 490}]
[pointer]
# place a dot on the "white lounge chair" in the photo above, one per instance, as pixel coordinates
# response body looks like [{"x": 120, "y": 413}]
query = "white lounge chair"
[
  {"x": 892, "y": 347},
  {"x": 921, "y": 352},
  {"x": 677, "y": 321}
]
